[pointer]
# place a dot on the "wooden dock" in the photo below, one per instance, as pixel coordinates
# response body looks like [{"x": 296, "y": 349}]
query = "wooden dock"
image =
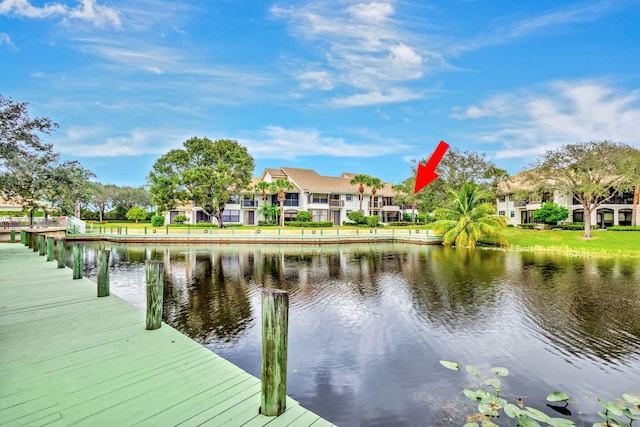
[{"x": 70, "y": 358}]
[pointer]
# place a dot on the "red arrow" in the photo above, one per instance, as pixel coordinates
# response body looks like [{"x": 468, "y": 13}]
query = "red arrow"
[{"x": 427, "y": 173}]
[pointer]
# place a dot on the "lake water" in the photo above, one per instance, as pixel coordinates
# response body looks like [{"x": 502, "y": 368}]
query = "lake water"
[{"x": 369, "y": 323}]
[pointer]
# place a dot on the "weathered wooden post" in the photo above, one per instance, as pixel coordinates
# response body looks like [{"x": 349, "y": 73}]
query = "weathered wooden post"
[
  {"x": 50, "y": 252},
  {"x": 103, "y": 272},
  {"x": 42, "y": 244},
  {"x": 62, "y": 254},
  {"x": 23, "y": 237},
  {"x": 34, "y": 242},
  {"x": 12, "y": 236},
  {"x": 77, "y": 261},
  {"x": 275, "y": 321},
  {"x": 155, "y": 283}
]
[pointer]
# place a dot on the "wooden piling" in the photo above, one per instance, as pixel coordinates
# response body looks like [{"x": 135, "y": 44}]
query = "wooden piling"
[
  {"x": 103, "y": 272},
  {"x": 34, "y": 242},
  {"x": 50, "y": 252},
  {"x": 23, "y": 237},
  {"x": 42, "y": 244},
  {"x": 12, "y": 236},
  {"x": 275, "y": 320},
  {"x": 155, "y": 283},
  {"x": 77, "y": 261},
  {"x": 62, "y": 254}
]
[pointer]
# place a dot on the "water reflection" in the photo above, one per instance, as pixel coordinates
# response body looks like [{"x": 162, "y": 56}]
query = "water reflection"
[{"x": 368, "y": 324}]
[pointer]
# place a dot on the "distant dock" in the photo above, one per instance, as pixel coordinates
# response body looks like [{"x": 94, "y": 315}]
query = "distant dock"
[{"x": 70, "y": 358}]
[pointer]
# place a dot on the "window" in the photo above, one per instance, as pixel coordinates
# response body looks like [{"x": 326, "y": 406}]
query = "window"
[
  {"x": 234, "y": 200},
  {"x": 501, "y": 213},
  {"x": 512, "y": 214},
  {"x": 349, "y": 197},
  {"x": 319, "y": 215},
  {"x": 578, "y": 216},
  {"x": 511, "y": 198},
  {"x": 319, "y": 198},
  {"x": 231, "y": 215},
  {"x": 502, "y": 198}
]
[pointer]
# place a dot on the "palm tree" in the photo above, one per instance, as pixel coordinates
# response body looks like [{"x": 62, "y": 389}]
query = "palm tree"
[
  {"x": 280, "y": 186},
  {"x": 470, "y": 218},
  {"x": 375, "y": 185},
  {"x": 360, "y": 180},
  {"x": 262, "y": 188}
]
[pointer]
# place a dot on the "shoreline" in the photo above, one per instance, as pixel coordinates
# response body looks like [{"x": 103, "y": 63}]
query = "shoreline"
[{"x": 308, "y": 237}]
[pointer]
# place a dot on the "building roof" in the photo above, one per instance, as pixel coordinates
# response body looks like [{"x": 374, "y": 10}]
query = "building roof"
[{"x": 310, "y": 180}]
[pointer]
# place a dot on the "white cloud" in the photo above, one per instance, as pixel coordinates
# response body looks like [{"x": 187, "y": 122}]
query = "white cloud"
[
  {"x": 362, "y": 46},
  {"x": 96, "y": 142},
  {"x": 25, "y": 9},
  {"x": 573, "y": 14},
  {"x": 98, "y": 15},
  {"x": 394, "y": 95},
  {"x": 315, "y": 80},
  {"x": 528, "y": 123},
  {"x": 289, "y": 144},
  {"x": 6, "y": 40},
  {"x": 86, "y": 10}
]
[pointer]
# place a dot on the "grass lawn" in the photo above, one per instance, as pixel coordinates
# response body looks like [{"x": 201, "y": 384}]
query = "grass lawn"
[{"x": 603, "y": 243}]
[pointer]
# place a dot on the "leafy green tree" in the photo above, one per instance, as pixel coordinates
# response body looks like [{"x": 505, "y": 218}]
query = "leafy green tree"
[
  {"x": 279, "y": 186},
  {"x": 593, "y": 173},
  {"x": 102, "y": 198},
  {"x": 29, "y": 169},
  {"x": 205, "y": 173},
  {"x": 126, "y": 197},
  {"x": 470, "y": 218},
  {"x": 550, "y": 213},
  {"x": 457, "y": 168},
  {"x": 136, "y": 213},
  {"x": 360, "y": 180},
  {"x": 69, "y": 187}
]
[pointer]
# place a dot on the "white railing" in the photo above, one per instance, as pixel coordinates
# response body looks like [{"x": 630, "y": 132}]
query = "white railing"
[{"x": 76, "y": 225}]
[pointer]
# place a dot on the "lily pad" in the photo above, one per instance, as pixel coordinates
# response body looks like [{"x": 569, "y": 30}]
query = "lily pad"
[
  {"x": 473, "y": 370},
  {"x": 454, "y": 366},
  {"x": 634, "y": 399},
  {"x": 558, "y": 396},
  {"x": 493, "y": 382},
  {"x": 500, "y": 371}
]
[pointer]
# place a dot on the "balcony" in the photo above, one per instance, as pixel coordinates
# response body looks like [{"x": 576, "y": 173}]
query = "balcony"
[
  {"x": 250, "y": 204},
  {"x": 336, "y": 203}
]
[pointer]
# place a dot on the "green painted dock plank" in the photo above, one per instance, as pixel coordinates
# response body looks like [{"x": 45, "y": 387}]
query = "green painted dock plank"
[{"x": 70, "y": 358}]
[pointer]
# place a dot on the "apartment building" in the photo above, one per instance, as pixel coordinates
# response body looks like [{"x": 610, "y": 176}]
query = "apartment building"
[
  {"x": 518, "y": 205},
  {"x": 328, "y": 198}
]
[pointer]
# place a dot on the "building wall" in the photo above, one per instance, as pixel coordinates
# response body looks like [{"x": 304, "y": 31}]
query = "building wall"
[{"x": 604, "y": 215}]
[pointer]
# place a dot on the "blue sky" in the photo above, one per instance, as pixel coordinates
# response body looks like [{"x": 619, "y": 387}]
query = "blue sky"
[{"x": 336, "y": 86}]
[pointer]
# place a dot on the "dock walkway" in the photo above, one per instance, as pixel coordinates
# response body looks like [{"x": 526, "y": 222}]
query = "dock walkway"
[{"x": 70, "y": 358}]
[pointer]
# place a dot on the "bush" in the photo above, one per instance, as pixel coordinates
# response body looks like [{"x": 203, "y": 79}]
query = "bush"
[
  {"x": 179, "y": 219},
  {"x": 136, "y": 214},
  {"x": 357, "y": 217},
  {"x": 623, "y": 228},
  {"x": 575, "y": 226},
  {"x": 550, "y": 213},
  {"x": 372, "y": 221},
  {"x": 424, "y": 218},
  {"x": 157, "y": 220},
  {"x": 528, "y": 226},
  {"x": 399, "y": 224},
  {"x": 310, "y": 224},
  {"x": 303, "y": 216}
]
